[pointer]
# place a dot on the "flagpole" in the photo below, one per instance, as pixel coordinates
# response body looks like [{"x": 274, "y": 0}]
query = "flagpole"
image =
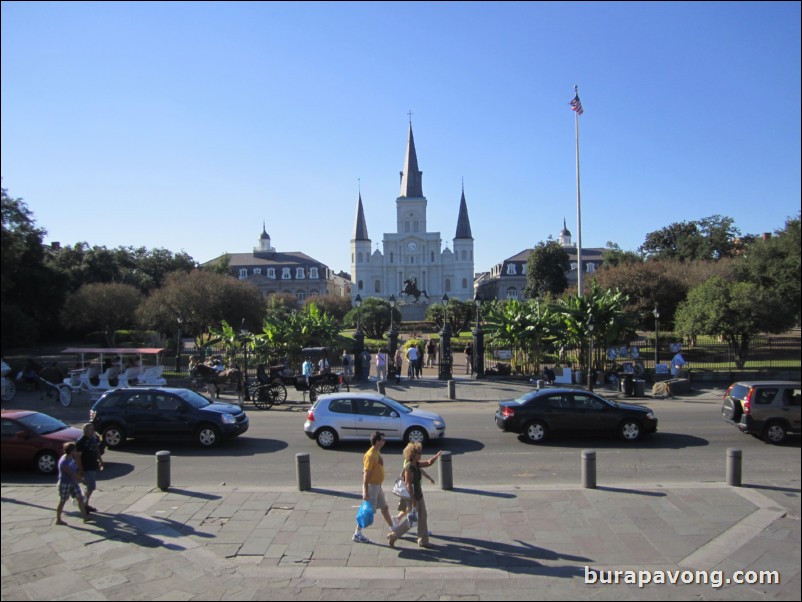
[{"x": 578, "y": 204}]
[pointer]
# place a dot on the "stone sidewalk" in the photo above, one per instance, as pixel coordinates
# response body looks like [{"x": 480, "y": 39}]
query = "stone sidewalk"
[{"x": 504, "y": 543}]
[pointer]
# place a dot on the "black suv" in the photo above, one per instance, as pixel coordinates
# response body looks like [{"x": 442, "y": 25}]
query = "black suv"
[
  {"x": 768, "y": 408},
  {"x": 165, "y": 413}
]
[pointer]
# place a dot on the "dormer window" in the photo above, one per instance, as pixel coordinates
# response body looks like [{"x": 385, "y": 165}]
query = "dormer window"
[
  {"x": 313, "y": 273},
  {"x": 510, "y": 269},
  {"x": 299, "y": 273},
  {"x": 271, "y": 273},
  {"x": 243, "y": 272},
  {"x": 285, "y": 274}
]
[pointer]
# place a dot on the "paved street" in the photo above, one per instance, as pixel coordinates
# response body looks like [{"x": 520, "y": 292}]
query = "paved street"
[{"x": 529, "y": 541}]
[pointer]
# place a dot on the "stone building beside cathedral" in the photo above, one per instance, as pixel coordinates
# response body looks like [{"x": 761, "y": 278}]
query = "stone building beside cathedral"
[{"x": 412, "y": 253}]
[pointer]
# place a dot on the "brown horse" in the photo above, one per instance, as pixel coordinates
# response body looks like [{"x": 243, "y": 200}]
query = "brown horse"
[{"x": 215, "y": 380}]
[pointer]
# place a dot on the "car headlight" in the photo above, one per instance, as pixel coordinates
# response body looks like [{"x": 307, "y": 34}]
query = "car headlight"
[
  {"x": 228, "y": 419},
  {"x": 439, "y": 423},
  {"x": 650, "y": 416}
]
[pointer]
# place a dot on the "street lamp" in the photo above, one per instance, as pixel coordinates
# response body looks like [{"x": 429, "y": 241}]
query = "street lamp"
[
  {"x": 478, "y": 341},
  {"x": 244, "y": 332},
  {"x": 591, "y": 324},
  {"x": 656, "y": 313},
  {"x": 392, "y": 337},
  {"x": 359, "y": 341},
  {"x": 445, "y": 343},
  {"x": 178, "y": 347},
  {"x": 358, "y": 304}
]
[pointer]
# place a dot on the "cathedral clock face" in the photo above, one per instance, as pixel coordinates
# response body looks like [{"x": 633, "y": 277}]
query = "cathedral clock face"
[{"x": 412, "y": 245}]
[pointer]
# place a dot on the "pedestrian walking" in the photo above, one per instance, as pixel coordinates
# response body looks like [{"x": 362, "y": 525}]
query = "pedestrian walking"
[
  {"x": 412, "y": 359},
  {"x": 399, "y": 362},
  {"x": 412, "y": 474},
  {"x": 431, "y": 354},
  {"x": 381, "y": 365},
  {"x": 366, "y": 365},
  {"x": 88, "y": 454},
  {"x": 308, "y": 369},
  {"x": 347, "y": 361},
  {"x": 372, "y": 479},
  {"x": 469, "y": 358},
  {"x": 69, "y": 483}
]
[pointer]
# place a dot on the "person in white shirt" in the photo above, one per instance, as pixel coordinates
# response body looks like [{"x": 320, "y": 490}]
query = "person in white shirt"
[
  {"x": 412, "y": 357},
  {"x": 381, "y": 365}
]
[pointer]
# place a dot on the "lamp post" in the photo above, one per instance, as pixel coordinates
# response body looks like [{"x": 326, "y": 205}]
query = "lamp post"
[
  {"x": 478, "y": 356},
  {"x": 359, "y": 341},
  {"x": 178, "y": 348},
  {"x": 591, "y": 324},
  {"x": 656, "y": 313},
  {"x": 392, "y": 337},
  {"x": 244, "y": 332},
  {"x": 445, "y": 344}
]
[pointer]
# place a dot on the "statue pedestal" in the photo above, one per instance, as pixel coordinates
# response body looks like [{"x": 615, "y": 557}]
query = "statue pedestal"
[{"x": 413, "y": 312}]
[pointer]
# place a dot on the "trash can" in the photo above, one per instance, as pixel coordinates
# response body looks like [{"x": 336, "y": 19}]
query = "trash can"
[
  {"x": 627, "y": 386},
  {"x": 640, "y": 388}
]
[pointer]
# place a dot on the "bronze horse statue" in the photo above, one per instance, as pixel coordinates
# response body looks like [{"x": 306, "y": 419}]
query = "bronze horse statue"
[
  {"x": 411, "y": 289},
  {"x": 215, "y": 380}
]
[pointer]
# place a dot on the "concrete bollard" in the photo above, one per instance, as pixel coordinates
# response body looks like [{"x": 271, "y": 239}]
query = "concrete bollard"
[
  {"x": 163, "y": 470},
  {"x": 452, "y": 389},
  {"x": 445, "y": 472},
  {"x": 381, "y": 387},
  {"x": 541, "y": 384},
  {"x": 589, "y": 468},
  {"x": 303, "y": 472},
  {"x": 734, "y": 466}
]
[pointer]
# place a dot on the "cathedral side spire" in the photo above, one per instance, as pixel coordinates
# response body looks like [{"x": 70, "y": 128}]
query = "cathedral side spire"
[
  {"x": 360, "y": 226},
  {"x": 463, "y": 222},
  {"x": 411, "y": 177}
]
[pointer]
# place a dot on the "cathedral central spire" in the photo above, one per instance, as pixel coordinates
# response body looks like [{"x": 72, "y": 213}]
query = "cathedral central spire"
[{"x": 411, "y": 177}]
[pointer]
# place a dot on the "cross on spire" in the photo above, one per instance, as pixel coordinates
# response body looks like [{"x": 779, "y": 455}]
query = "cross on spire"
[{"x": 410, "y": 113}]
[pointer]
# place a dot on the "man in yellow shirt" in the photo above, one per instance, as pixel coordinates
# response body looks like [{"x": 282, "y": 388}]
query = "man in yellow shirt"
[{"x": 372, "y": 479}]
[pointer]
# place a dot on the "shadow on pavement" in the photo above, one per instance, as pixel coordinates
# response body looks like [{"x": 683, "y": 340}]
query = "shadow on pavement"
[{"x": 522, "y": 558}]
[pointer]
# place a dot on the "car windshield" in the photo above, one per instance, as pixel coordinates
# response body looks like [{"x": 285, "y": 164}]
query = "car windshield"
[
  {"x": 42, "y": 424},
  {"x": 396, "y": 405},
  {"x": 196, "y": 400}
]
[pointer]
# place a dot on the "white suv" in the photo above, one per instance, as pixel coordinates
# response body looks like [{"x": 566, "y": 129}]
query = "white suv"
[{"x": 769, "y": 409}]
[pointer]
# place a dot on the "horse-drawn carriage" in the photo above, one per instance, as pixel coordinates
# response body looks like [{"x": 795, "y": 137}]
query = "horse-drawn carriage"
[{"x": 277, "y": 378}]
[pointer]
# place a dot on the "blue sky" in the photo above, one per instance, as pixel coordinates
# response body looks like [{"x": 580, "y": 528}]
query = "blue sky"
[{"x": 184, "y": 125}]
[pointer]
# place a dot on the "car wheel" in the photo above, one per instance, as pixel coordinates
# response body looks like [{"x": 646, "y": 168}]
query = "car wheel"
[
  {"x": 630, "y": 430},
  {"x": 113, "y": 436},
  {"x": 416, "y": 435},
  {"x": 536, "y": 432},
  {"x": 326, "y": 438},
  {"x": 208, "y": 435},
  {"x": 731, "y": 409},
  {"x": 775, "y": 433},
  {"x": 46, "y": 462}
]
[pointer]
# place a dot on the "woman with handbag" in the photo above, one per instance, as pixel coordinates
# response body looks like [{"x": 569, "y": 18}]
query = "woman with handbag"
[{"x": 412, "y": 475}]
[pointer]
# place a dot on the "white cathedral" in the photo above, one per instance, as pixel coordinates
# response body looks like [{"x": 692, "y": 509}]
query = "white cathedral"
[{"x": 412, "y": 255}]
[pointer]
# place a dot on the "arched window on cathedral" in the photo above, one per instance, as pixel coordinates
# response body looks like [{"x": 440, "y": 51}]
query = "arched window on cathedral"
[
  {"x": 448, "y": 285},
  {"x": 359, "y": 258},
  {"x": 432, "y": 256},
  {"x": 377, "y": 286},
  {"x": 392, "y": 255},
  {"x": 464, "y": 283},
  {"x": 360, "y": 286},
  {"x": 464, "y": 255}
]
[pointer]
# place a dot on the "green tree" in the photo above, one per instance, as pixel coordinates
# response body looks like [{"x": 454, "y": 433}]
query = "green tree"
[
  {"x": 735, "y": 311},
  {"x": 709, "y": 238},
  {"x": 613, "y": 256},
  {"x": 460, "y": 315},
  {"x": 337, "y": 307},
  {"x": 374, "y": 316},
  {"x": 31, "y": 293},
  {"x": 774, "y": 265},
  {"x": 545, "y": 270},
  {"x": 201, "y": 300},
  {"x": 101, "y": 306}
]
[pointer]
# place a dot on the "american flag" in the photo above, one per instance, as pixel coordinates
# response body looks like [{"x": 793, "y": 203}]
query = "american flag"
[{"x": 576, "y": 105}]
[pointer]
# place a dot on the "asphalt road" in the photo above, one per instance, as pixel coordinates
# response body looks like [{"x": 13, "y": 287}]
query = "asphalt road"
[{"x": 690, "y": 446}]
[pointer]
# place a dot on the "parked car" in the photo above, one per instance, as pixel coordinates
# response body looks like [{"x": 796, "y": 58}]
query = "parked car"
[
  {"x": 34, "y": 439},
  {"x": 769, "y": 409},
  {"x": 355, "y": 416},
  {"x": 540, "y": 413},
  {"x": 165, "y": 413}
]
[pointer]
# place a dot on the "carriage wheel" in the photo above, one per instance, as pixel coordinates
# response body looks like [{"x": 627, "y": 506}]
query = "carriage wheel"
[
  {"x": 263, "y": 398},
  {"x": 279, "y": 392}
]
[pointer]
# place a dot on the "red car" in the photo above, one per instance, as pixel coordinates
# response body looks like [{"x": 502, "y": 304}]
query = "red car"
[{"x": 30, "y": 438}]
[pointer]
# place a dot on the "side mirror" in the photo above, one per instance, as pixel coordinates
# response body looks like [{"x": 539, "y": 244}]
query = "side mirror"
[{"x": 393, "y": 414}]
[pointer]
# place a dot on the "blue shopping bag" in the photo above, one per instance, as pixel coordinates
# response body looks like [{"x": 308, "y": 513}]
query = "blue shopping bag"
[{"x": 364, "y": 516}]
